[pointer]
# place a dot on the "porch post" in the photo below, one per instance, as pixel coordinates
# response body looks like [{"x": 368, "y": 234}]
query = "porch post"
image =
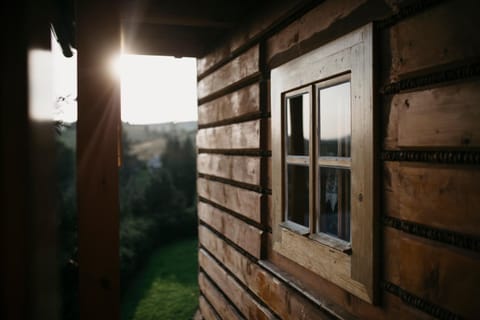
[{"x": 98, "y": 40}]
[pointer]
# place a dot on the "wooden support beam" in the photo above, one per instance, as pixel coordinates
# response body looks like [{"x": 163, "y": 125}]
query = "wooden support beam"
[
  {"x": 98, "y": 41},
  {"x": 169, "y": 40},
  {"x": 163, "y": 18}
]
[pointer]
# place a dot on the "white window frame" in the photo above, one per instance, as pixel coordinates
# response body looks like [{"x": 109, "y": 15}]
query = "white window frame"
[{"x": 351, "y": 266}]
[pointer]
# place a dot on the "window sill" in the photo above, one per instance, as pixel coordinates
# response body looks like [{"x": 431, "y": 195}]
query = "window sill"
[
  {"x": 325, "y": 239},
  {"x": 295, "y": 227},
  {"x": 321, "y": 259},
  {"x": 334, "y": 243}
]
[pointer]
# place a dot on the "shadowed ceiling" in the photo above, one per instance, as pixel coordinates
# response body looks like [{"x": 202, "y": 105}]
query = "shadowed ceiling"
[
  {"x": 180, "y": 27},
  {"x": 165, "y": 27}
]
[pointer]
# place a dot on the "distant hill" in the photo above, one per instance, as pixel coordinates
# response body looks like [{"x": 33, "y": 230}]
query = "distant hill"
[
  {"x": 147, "y": 141},
  {"x": 145, "y": 132}
]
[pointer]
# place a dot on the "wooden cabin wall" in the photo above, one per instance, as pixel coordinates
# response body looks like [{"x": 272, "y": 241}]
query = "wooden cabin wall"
[{"x": 427, "y": 66}]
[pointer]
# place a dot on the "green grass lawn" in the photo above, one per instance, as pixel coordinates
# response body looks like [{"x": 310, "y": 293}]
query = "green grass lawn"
[{"x": 167, "y": 286}]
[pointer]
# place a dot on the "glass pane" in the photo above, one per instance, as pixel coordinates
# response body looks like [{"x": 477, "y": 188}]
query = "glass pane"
[
  {"x": 335, "y": 120},
  {"x": 297, "y": 194},
  {"x": 334, "y": 191},
  {"x": 298, "y": 124}
]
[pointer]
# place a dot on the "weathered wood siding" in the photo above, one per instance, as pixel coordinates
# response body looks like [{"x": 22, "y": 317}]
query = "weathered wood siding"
[{"x": 427, "y": 66}]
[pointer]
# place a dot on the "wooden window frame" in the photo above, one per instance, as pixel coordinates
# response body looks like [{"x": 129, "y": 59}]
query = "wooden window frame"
[{"x": 351, "y": 266}]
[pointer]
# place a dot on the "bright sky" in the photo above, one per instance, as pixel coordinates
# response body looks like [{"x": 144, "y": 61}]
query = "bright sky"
[
  {"x": 154, "y": 89},
  {"x": 158, "y": 89}
]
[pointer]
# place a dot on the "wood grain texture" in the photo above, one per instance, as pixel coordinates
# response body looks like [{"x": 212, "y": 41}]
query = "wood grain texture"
[
  {"x": 242, "y": 234},
  {"x": 206, "y": 310},
  {"x": 407, "y": 50},
  {"x": 221, "y": 305},
  {"x": 285, "y": 302},
  {"x": 318, "y": 19},
  {"x": 244, "y": 202},
  {"x": 259, "y": 21},
  {"x": 440, "y": 117},
  {"x": 439, "y": 274},
  {"x": 333, "y": 265},
  {"x": 245, "y": 65},
  {"x": 441, "y": 196},
  {"x": 212, "y": 58},
  {"x": 328, "y": 21},
  {"x": 248, "y": 306},
  {"x": 389, "y": 127},
  {"x": 243, "y": 102},
  {"x": 98, "y": 40},
  {"x": 264, "y": 20},
  {"x": 245, "y": 135},
  {"x": 238, "y": 168},
  {"x": 346, "y": 305}
]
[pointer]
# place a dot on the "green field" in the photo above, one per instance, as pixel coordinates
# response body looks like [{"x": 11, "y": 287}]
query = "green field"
[{"x": 167, "y": 286}]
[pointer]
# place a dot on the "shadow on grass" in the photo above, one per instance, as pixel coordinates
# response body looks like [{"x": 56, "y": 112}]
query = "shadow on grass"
[{"x": 166, "y": 288}]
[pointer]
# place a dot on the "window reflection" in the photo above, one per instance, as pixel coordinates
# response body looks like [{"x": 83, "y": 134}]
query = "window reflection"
[
  {"x": 335, "y": 120},
  {"x": 298, "y": 193},
  {"x": 298, "y": 124},
  {"x": 334, "y": 217}
]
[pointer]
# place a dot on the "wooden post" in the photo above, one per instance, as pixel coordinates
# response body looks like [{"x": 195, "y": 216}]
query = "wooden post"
[
  {"x": 28, "y": 272},
  {"x": 98, "y": 41}
]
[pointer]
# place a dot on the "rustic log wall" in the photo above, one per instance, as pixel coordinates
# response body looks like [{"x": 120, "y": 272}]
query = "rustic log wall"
[{"x": 428, "y": 64}]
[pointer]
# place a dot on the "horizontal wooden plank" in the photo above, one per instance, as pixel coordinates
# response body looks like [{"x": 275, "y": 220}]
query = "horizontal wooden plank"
[
  {"x": 244, "y": 66},
  {"x": 441, "y": 117},
  {"x": 206, "y": 310},
  {"x": 332, "y": 265},
  {"x": 344, "y": 304},
  {"x": 259, "y": 21},
  {"x": 438, "y": 274},
  {"x": 314, "y": 21},
  {"x": 326, "y": 22},
  {"x": 212, "y": 58},
  {"x": 244, "y": 235},
  {"x": 406, "y": 50},
  {"x": 264, "y": 19},
  {"x": 221, "y": 305},
  {"x": 242, "y": 201},
  {"x": 238, "y": 168},
  {"x": 389, "y": 127},
  {"x": 440, "y": 196},
  {"x": 243, "y": 102},
  {"x": 285, "y": 302},
  {"x": 247, "y": 305},
  {"x": 245, "y": 135}
]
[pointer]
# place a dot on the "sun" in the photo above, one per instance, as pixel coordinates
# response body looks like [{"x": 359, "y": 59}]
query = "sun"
[{"x": 116, "y": 66}]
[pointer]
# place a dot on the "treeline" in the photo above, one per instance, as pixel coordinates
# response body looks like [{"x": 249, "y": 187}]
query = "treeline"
[{"x": 157, "y": 205}]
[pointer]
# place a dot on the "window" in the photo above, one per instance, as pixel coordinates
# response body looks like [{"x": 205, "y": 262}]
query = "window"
[{"x": 323, "y": 162}]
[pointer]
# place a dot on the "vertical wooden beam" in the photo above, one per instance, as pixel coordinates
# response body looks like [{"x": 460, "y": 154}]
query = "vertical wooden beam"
[
  {"x": 28, "y": 270},
  {"x": 98, "y": 41},
  {"x": 14, "y": 161}
]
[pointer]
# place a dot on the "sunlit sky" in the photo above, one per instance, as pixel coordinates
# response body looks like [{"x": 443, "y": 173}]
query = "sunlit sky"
[{"x": 154, "y": 89}]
